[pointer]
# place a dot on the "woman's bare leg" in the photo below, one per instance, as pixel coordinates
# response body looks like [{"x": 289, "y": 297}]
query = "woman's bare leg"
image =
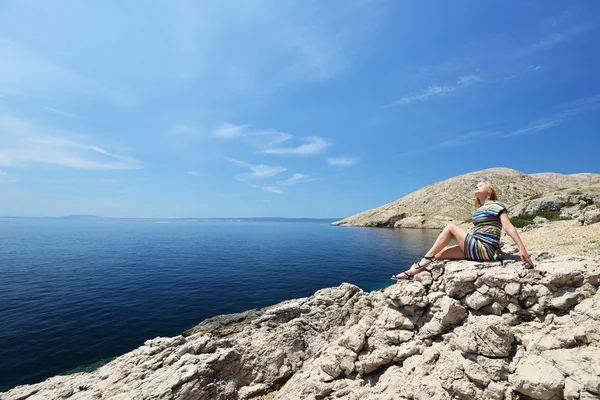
[
  {"x": 441, "y": 250},
  {"x": 455, "y": 252},
  {"x": 450, "y": 232}
]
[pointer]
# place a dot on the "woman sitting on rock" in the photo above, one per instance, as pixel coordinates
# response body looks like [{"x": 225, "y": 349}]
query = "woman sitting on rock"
[{"x": 481, "y": 245}]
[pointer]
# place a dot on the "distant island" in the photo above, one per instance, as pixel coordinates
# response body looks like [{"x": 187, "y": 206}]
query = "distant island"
[{"x": 232, "y": 219}]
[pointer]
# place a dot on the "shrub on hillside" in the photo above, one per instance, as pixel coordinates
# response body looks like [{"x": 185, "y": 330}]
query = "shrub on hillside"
[
  {"x": 527, "y": 219},
  {"x": 520, "y": 223}
]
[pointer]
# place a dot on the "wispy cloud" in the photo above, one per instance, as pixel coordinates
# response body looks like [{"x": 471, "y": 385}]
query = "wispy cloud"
[
  {"x": 568, "y": 32},
  {"x": 272, "y": 189},
  {"x": 266, "y": 138},
  {"x": 24, "y": 144},
  {"x": 295, "y": 179},
  {"x": 194, "y": 173},
  {"x": 61, "y": 113},
  {"x": 462, "y": 140},
  {"x": 269, "y": 141},
  {"x": 571, "y": 109},
  {"x": 535, "y": 127},
  {"x": 342, "y": 161},
  {"x": 314, "y": 146},
  {"x": 229, "y": 131},
  {"x": 25, "y": 73},
  {"x": 182, "y": 130},
  {"x": 109, "y": 181},
  {"x": 557, "y": 38},
  {"x": 5, "y": 177},
  {"x": 259, "y": 171},
  {"x": 437, "y": 90}
]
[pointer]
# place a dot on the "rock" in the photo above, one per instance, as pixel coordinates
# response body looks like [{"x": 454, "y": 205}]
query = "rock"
[
  {"x": 535, "y": 206},
  {"x": 485, "y": 335},
  {"x": 477, "y": 300},
  {"x": 591, "y": 217},
  {"x": 540, "y": 220},
  {"x": 537, "y": 378}
]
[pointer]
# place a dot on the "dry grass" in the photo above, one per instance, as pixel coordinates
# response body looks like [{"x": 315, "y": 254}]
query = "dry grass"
[
  {"x": 563, "y": 237},
  {"x": 268, "y": 396}
]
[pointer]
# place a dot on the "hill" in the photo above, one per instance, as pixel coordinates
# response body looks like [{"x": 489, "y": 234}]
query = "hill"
[{"x": 449, "y": 201}]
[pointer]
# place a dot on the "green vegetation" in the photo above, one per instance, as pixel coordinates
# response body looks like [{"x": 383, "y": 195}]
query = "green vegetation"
[
  {"x": 576, "y": 192},
  {"x": 570, "y": 204},
  {"x": 527, "y": 219},
  {"x": 598, "y": 205},
  {"x": 516, "y": 330},
  {"x": 588, "y": 201},
  {"x": 593, "y": 189},
  {"x": 520, "y": 223}
]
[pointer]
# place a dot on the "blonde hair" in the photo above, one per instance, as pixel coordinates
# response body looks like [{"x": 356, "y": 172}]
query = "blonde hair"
[{"x": 492, "y": 195}]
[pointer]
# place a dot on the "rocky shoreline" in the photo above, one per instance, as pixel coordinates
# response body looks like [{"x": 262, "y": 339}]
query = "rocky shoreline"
[{"x": 462, "y": 329}]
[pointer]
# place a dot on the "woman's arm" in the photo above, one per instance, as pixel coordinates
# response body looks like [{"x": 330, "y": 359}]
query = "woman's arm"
[{"x": 512, "y": 232}]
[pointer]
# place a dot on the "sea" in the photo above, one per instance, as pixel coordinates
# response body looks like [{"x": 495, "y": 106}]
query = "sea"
[{"x": 76, "y": 293}]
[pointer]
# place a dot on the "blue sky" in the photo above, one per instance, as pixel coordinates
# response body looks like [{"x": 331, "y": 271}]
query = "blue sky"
[{"x": 285, "y": 108}]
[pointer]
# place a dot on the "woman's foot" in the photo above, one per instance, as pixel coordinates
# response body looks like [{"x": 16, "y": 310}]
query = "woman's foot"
[
  {"x": 414, "y": 269},
  {"x": 402, "y": 276}
]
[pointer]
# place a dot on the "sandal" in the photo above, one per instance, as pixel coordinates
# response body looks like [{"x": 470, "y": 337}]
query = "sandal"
[
  {"x": 422, "y": 267},
  {"x": 417, "y": 267}
]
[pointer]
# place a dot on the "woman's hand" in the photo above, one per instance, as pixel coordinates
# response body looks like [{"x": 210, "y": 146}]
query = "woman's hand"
[{"x": 525, "y": 257}]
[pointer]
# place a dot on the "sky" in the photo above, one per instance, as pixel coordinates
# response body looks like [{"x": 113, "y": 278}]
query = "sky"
[{"x": 285, "y": 108}]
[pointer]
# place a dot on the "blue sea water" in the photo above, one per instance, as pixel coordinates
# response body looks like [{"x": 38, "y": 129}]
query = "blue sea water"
[{"x": 74, "y": 292}]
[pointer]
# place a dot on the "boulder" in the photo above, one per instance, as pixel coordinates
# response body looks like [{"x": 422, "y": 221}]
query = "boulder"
[{"x": 591, "y": 217}]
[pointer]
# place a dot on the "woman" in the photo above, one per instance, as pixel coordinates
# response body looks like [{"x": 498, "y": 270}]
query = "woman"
[{"x": 489, "y": 219}]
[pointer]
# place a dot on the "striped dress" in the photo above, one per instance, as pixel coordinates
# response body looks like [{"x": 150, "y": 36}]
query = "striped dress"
[{"x": 482, "y": 244}]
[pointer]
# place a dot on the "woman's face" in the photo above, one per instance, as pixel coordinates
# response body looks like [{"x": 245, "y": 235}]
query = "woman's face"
[{"x": 481, "y": 188}]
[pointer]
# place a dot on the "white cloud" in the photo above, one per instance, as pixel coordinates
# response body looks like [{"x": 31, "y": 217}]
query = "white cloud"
[
  {"x": 24, "y": 144},
  {"x": 316, "y": 145},
  {"x": 557, "y": 38},
  {"x": 269, "y": 141},
  {"x": 61, "y": 113},
  {"x": 342, "y": 161},
  {"x": 194, "y": 173},
  {"x": 267, "y": 138},
  {"x": 536, "y": 127},
  {"x": 272, "y": 189},
  {"x": 259, "y": 171},
  {"x": 461, "y": 140},
  {"x": 229, "y": 131},
  {"x": 296, "y": 178},
  {"x": 436, "y": 90},
  {"x": 5, "y": 177},
  {"x": 181, "y": 130},
  {"x": 109, "y": 181},
  {"x": 25, "y": 73}
]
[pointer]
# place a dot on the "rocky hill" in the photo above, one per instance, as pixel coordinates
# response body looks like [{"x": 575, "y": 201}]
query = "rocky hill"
[
  {"x": 462, "y": 330},
  {"x": 449, "y": 201}
]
